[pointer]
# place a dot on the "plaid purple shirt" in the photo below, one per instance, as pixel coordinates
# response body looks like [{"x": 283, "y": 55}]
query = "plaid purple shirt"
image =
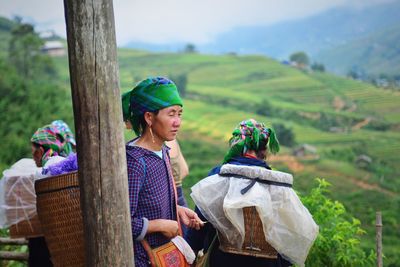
[{"x": 151, "y": 195}]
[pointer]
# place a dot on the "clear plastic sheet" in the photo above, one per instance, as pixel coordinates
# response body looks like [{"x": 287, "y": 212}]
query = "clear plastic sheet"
[
  {"x": 287, "y": 224},
  {"x": 17, "y": 192}
]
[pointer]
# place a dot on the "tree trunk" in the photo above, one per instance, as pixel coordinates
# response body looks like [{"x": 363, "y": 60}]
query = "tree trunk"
[{"x": 99, "y": 128}]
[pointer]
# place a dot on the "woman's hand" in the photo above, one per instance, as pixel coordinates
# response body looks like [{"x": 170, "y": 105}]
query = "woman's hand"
[
  {"x": 168, "y": 228},
  {"x": 189, "y": 218}
]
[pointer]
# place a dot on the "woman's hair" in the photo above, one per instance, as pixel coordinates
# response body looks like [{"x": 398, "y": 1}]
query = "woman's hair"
[
  {"x": 262, "y": 150},
  {"x": 143, "y": 123},
  {"x": 36, "y": 145},
  {"x": 252, "y": 135}
]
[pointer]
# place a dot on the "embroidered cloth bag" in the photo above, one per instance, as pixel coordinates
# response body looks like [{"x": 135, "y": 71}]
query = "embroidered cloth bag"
[{"x": 167, "y": 255}]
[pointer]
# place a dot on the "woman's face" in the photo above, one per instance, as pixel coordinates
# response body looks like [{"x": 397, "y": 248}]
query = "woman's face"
[
  {"x": 166, "y": 123},
  {"x": 37, "y": 154}
]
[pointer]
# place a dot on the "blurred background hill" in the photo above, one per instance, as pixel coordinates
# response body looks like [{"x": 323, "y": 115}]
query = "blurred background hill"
[{"x": 365, "y": 39}]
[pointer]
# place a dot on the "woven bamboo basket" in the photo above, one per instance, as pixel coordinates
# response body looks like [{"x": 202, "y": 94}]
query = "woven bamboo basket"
[
  {"x": 254, "y": 241},
  {"x": 27, "y": 229},
  {"x": 59, "y": 211}
]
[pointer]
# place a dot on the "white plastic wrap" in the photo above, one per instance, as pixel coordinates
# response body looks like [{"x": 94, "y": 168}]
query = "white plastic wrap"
[
  {"x": 17, "y": 192},
  {"x": 287, "y": 224}
]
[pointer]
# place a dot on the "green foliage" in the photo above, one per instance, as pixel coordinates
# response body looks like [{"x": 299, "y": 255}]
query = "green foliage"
[
  {"x": 5, "y": 35},
  {"x": 260, "y": 75},
  {"x": 356, "y": 74},
  {"x": 25, "y": 53},
  {"x": 201, "y": 157},
  {"x": 339, "y": 240},
  {"x": 6, "y": 24},
  {"x": 24, "y": 49},
  {"x": 264, "y": 108},
  {"x": 29, "y": 97},
  {"x": 26, "y": 105},
  {"x": 285, "y": 134},
  {"x": 4, "y": 263},
  {"x": 190, "y": 48},
  {"x": 318, "y": 67},
  {"x": 341, "y": 154},
  {"x": 300, "y": 58},
  {"x": 181, "y": 82}
]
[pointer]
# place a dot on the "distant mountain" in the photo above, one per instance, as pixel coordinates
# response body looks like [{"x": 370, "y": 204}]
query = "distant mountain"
[
  {"x": 373, "y": 54},
  {"x": 314, "y": 34},
  {"x": 170, "y": 47},
  {"x": 365, "y": 38}
]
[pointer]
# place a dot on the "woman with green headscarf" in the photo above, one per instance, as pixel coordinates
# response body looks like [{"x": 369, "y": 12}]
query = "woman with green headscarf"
[
  {"x": 245, "y": 180},
  {"x": 153, "y": 109}
]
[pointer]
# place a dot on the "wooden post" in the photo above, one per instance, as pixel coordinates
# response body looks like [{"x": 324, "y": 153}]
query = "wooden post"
[
  {"x": 12, "y": 241},
  {"x": 98, "y": 123},
  {"x": 12, "y": 255},
  {"x": 379, "y": 261}
]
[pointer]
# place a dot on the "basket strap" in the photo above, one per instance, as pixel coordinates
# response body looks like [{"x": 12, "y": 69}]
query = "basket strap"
[
  {"x": 253, "y": 181},
  {"x": 172, "y": 180},
  {"x": 147, "y": 248}
]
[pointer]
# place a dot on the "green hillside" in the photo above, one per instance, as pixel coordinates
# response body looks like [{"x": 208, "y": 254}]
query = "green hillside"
[
  {"x": 375, "y": 54},
  {"x": 342, "y": 118},
  {"x": 222, "y": 90}
]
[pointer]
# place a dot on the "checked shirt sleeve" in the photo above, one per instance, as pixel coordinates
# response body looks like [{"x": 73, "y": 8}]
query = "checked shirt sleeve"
[{"x": 135, "y": 181}]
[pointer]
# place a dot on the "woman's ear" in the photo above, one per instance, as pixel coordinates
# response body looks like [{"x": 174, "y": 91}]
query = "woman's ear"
[{"x": 149, "y": 117}]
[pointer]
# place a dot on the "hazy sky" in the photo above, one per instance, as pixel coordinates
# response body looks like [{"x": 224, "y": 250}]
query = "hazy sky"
[{"x": 163, "y": 21}]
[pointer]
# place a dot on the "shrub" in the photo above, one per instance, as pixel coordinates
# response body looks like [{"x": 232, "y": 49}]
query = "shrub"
[
  {"x": 181, "y": 82},
  {"x": 338, "y": 242},
  {"x": 264, "y": 108},
  {"x": 300, "y": 58},
  {"x": 285, "y": 135}
]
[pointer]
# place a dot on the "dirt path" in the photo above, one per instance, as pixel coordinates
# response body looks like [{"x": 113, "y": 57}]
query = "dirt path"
[
  {"x": 361, "y": 124},
  {"x": 291, "y": 161},
  {"x": 367, "y": 186}
]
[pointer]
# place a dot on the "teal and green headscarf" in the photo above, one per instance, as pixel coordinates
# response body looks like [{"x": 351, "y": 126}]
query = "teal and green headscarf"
[
  {"x": 248, "y": 135},
  {"x": 149, "y": 95},
  {"x": 56, "y": 138},
  {"x": 65, "y": 131}
]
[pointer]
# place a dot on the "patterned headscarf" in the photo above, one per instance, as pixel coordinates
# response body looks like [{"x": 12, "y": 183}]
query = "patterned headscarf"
[
  {"x": 248, "y": 135},
  {"x": 65, "y": 131},
  {"x": 151, "y": 94},
  {"x": 55, "y": 139}
]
